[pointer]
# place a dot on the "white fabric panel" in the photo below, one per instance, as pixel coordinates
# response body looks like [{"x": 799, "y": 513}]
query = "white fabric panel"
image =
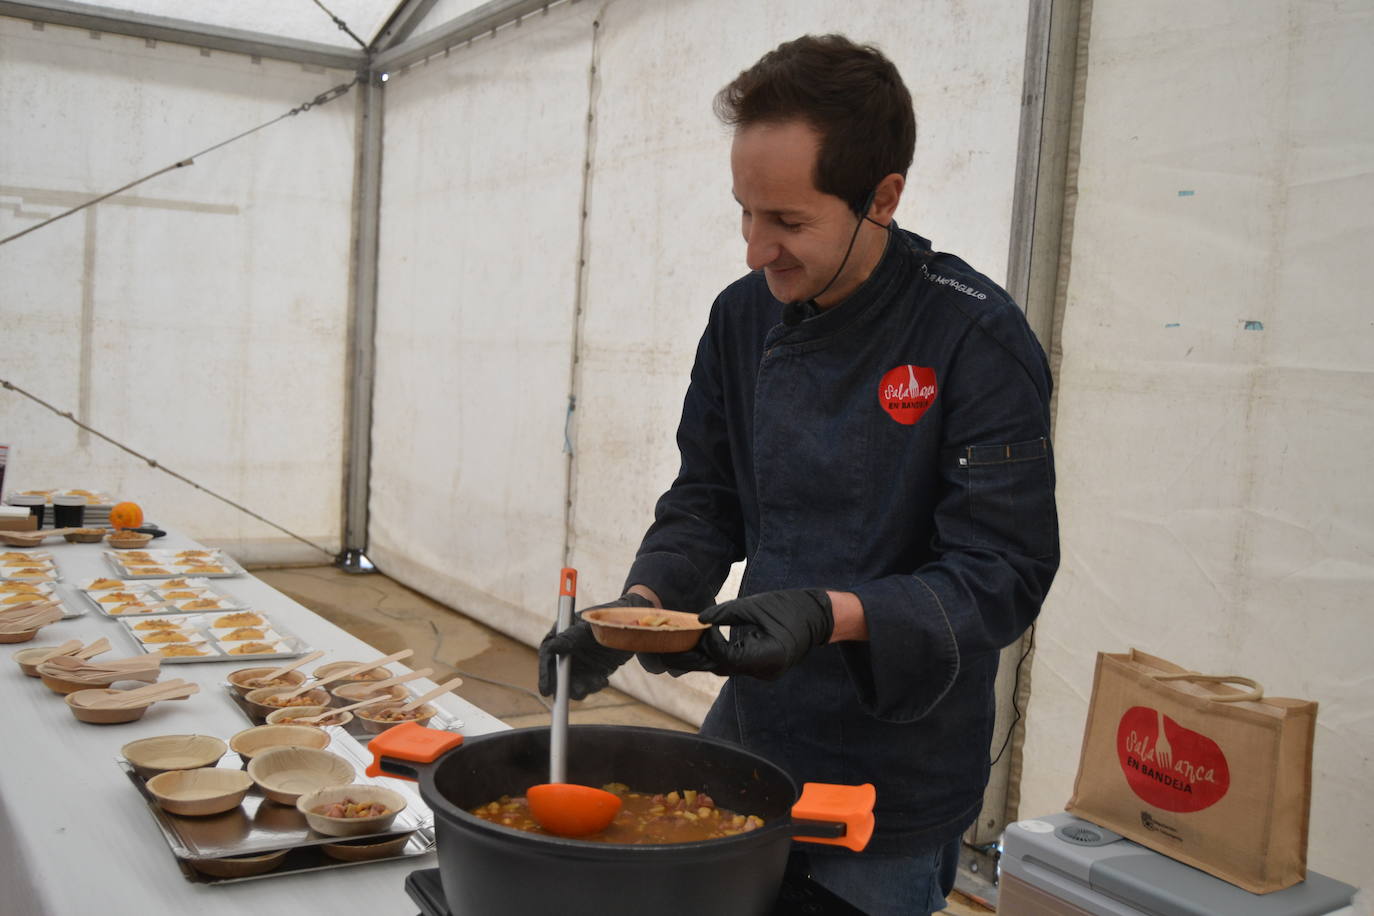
[
  {"x": 302, "y": 19},
  {"x": 478, "y": 271},
  {"x": 215, "y": 296},
  {"x": 1216, "y": 403},
  {"x": 664, "y": 229}
]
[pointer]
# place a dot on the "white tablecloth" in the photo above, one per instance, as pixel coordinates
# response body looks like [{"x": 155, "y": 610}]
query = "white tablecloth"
[{"x": 76, "y": 838}]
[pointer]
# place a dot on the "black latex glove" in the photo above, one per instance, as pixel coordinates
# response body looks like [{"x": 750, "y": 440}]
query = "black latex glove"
[
  {"x": 592, "y": 663},
  {"x": 769, "y": 633}
]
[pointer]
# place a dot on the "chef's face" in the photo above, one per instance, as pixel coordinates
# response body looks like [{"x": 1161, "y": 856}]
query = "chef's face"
[{"x": 796, "y": 234}]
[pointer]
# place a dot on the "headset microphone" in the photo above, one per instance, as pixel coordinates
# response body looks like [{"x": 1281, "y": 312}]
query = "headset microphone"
[{"x": 794, "y": 313}]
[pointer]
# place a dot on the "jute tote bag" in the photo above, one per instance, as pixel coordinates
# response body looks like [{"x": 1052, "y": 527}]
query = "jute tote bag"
[{"x": 1210, "y": 774}]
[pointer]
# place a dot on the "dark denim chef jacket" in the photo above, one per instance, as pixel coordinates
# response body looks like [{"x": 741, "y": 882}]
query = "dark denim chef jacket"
[{"x": 896, "y": 446}]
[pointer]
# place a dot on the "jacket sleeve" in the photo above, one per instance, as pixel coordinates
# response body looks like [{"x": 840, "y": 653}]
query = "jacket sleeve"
[
  {"x": 996, "y": 532},
  {"x": 698, "y": 530}
]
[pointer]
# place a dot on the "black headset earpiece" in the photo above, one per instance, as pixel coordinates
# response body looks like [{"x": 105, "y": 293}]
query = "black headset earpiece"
[{"x": 793, "y": 313}]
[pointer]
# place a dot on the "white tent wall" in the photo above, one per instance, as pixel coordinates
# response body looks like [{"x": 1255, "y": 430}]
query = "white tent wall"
[
  {"x": 477, "y": 287},
  {"x": 481, "y": 221},
  {"x": 1216, "y": 401},
  {"x": 200, "y": 318}
]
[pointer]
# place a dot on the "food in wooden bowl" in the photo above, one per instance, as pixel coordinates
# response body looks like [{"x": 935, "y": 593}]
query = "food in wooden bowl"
[
  {"x": 246, "y": 679},
  {"x": 264, "y": 700},
  {"x": 196, "y": 793},
  {"x": 294, "y": 714},
  {"x": 240, "y": 866},
  {"x": 634, "y": 629},
  {"x": 353, "y": 810},
  {"x": 284, "y": 774},
  {"x": 370, "y": 674},
  {"x": 346, "y": 693},
  {"x": 262, "y": 738},
  {"x": 377, "y": 720},
  {"x": 125, "y": 540},
  {"x": 161, "y": 754}
]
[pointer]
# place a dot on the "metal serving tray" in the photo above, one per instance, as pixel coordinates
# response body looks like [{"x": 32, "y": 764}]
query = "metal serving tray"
[
  {"x": 443, "y": 720},
  {"x": 169, "y": 567},
  {"x": 51, "y": 592},
  {"x": 290, "y": 646},
  {"x": 260, "y": 825}
]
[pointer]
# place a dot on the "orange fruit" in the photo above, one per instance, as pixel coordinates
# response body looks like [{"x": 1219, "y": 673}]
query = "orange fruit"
[{"x": 126, "y": 515}]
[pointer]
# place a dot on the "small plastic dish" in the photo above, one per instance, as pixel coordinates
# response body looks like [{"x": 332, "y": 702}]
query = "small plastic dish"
[
  {"x": 619, "y": 628},
  {"x": 128, "y": 540},
  {"x": 377, "y": 726},
  {"x": 366, "y": 850},
  {"x": 164, "y": 753},
  {"x": 22, "y": 539},
  {"x": 240, "y": 866},
  {"x": 357, "y": 691},
  {"x": 63, "y": 686},
  {"x": 281, "y": 716},
  {"x": 239, "y": 679},
  {"x": 28, "y": 660},
  {"x": 262, "y": 738},
  {"x": 284, "y": 774},
  {"x": 350, "y": 826},
  {"x": 85, "y": 536},
  {"x": 257, "y": 705},
  {"x": 77, "y": 699},
  {"x": 371, "y": 674},
  {"x": 196, "y": 793}
]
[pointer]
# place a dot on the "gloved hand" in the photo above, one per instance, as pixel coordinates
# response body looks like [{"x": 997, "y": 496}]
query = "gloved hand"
[
  {"x": 592, "y": 663},
  {"x": 769, "y": 633}
]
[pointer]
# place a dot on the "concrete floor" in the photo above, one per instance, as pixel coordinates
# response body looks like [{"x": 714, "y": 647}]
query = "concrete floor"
[{"x": 500, "y": 675}]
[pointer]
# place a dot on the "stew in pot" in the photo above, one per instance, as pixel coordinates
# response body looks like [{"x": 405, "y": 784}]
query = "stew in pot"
[{"x": 675, "y": 817}]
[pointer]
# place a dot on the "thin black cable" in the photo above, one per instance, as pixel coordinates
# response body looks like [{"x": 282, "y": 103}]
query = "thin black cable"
[
  {"x": 320, "y": 99},
  {"x": 343, "y": 26},
  {"x": 153, "y": 463},
  {"x": 1016, "y": 687}
]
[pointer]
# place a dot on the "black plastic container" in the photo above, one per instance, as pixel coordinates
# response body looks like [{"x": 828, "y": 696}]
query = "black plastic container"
[{"x": 496, "y": 870}]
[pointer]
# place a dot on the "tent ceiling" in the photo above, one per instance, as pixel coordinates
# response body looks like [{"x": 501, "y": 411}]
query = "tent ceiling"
[{"x": 301, "y": 20}]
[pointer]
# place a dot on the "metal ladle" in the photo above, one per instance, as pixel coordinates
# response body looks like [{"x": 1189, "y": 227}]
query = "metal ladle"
[{"x": 561, "y": 807}]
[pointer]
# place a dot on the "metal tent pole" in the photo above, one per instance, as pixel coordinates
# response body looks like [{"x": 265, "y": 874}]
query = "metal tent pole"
[{"x": 362, "y": 326}]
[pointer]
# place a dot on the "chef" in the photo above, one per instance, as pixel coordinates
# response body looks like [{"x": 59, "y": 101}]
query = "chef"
[{"x": 867, "y": 427}]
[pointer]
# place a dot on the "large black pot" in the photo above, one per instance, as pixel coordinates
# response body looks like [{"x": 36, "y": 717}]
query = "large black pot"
[{"x": 491, "y": 870}]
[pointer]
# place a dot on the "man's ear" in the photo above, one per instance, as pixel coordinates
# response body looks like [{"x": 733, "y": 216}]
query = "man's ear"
[{"x": 886, "y": 197}]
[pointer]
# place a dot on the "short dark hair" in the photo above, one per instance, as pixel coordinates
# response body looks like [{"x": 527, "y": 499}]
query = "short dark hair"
[{"x": 852, "y": 95}]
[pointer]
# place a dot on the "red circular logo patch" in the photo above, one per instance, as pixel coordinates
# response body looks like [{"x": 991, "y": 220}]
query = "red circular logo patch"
[
  {"x": 906, "y": 392},
  {"x": 1167, "y": 765}
]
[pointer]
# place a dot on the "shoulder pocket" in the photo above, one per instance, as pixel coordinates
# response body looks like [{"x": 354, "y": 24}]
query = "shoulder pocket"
[{"x": 1011, "y": 496}]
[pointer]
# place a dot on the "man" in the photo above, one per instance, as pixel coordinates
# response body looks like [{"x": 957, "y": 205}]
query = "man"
[{"x": 867, "y": 425}]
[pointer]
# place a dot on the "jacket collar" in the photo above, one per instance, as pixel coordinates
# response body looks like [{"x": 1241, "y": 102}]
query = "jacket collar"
[{"x": 895, "y": 264}]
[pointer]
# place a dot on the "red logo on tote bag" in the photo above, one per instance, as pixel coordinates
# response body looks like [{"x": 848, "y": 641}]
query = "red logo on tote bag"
[
  {"x": 906, "y": 392},
  {"x": 1167, "y": 765}
]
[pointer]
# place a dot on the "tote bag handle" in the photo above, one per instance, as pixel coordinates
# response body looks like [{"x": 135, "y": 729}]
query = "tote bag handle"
[{"x": 1255, "y": 692}]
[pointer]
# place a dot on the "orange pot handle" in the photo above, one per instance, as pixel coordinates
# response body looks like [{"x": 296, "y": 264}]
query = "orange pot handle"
[
  {"x": 845, "y": 810},
  {"x": 409, "y": 742}
]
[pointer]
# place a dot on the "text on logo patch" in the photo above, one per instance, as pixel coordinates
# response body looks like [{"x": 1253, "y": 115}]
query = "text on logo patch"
[
  {"x": 1167, "y": 765},
  {"x": 907, "y": 392}
]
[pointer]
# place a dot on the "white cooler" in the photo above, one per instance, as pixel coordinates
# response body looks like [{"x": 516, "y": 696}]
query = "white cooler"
[{"x": 1059, "y": 865}]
